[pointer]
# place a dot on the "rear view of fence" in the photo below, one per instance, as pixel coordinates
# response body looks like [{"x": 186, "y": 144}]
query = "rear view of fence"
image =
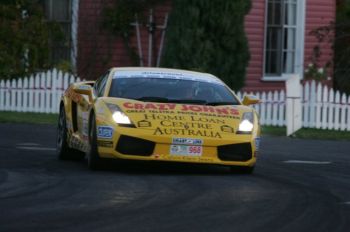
[
  {"x": 322, "y": 107},
  {"x": 38, "y": 93}
]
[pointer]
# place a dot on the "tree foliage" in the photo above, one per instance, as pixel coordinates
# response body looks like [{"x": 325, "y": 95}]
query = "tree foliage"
[
  {"x": 24, "y": 38},
  {"x": 341, "y": 29},
  {"x": 209, "y": 36}
]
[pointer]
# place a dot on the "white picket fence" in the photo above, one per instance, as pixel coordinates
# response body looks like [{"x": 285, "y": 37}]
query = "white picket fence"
[
  {"x": 323, "y": 108},
  {"x": 37, "y": 93}
]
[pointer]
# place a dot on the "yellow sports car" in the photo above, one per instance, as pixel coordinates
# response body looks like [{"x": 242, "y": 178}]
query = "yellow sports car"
[{"x": 161, "y": 115}]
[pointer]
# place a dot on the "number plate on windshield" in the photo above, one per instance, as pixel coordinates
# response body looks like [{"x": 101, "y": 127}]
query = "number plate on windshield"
[{"x": 186, "y": 150}]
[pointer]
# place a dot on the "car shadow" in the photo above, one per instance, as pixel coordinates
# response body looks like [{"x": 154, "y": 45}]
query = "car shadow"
[{"x": 136, "y": 167}]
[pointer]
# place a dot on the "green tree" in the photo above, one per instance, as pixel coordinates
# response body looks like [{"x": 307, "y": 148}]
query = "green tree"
[
  {"x": 24, "y": 38},
  {"x": 209, "y": 36},
  {"x": 341, "y": 29}
]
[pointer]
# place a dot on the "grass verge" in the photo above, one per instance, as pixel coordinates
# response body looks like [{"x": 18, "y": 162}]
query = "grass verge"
[
  {"x": 37, "y": 118},
  {"x": 310, "y": 133},
  {"x": 307, "y": 133},
  {"x": 273, "y": 130}
]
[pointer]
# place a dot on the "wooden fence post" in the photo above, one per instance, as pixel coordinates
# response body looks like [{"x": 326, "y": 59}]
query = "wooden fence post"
[
  {"x": 2, "y": 94},
  {"x": 343, "y": 113},
  {"x": 19, "y": 93},
  {"x": 25, "y": 95},
  {"x": 306, "y": 105},
  {"x": 293, "y": 104},
  {"x": 325, "y": 105},
  {"x": 331, "y": 110}
]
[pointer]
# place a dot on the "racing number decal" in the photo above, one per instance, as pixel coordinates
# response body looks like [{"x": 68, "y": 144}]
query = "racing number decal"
[{"x": 104, "y": 132}]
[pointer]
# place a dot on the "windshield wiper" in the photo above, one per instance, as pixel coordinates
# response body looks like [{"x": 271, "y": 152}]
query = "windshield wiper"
[
  {"x": 220, "y": 103},
  {"x": 153, "y": 99}
]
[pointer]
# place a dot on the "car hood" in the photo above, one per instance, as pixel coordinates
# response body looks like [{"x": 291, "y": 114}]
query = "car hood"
[{"x": 182, "y": 120}]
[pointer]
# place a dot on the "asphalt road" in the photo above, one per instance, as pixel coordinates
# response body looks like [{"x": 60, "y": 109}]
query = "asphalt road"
[{"x": 40, "y": 193}]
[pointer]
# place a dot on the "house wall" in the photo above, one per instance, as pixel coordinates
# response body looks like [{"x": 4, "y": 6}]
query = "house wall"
[
  {"x": 318, "y": 13},
  {"x": 98, "y": 50}
]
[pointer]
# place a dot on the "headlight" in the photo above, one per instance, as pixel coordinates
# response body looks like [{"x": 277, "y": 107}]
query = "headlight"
[
  {"x": 247, "y": 123},
  {"x": 118, "y": 115}
]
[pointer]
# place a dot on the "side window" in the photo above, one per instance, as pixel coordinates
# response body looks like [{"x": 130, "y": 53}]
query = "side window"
[{"x": 100, "y": 85}]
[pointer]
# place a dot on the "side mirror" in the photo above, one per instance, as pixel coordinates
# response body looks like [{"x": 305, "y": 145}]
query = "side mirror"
[
  {"x": 250, "y": 100},
  {"x": 85, "y": 90}
]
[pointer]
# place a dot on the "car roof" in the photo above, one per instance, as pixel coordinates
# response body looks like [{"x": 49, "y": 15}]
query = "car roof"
[{"x": 137, "y": 72}]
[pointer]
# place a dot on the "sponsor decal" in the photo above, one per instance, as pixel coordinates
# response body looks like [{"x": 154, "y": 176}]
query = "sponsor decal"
[
  {"x": 102, "y": 143},
  {"x": 227, "y": 129},
  {"x": 189, "y": 126},
  {"x": 165, "y": 74},
  {"x": 187, "y": 141},
  {"x": 184, "y": 120},
  {"x": 185, "y": 132},
  {"x": 144, "y": 123},
  {"x": 76, "y": 143},
  {"x": 104, "y": 132},
  {"x": 185, "y": 150},
  {"x": 227, "y": 110},
  {"x": 149, "y": 106},
  {"x": 257, "y": 143}
]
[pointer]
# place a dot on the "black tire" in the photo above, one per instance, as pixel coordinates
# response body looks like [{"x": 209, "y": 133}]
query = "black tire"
[
  {"x": 93, "y": 159},
  {"x": 62, "y": 148},
  {"x": 242, "y": 169},
  {"x": 64, "y": 152}
]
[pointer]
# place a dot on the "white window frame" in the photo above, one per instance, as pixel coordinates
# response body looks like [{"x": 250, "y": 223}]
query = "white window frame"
[{"x": 299, "y": 45}]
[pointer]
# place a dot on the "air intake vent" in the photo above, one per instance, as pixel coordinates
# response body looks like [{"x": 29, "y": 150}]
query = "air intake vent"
[
  {"x": 235, "y": 152},
  {"x": 128, "y": 145}
]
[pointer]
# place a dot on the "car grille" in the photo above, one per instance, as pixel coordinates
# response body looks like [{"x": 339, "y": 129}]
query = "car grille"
[
  {"x": 235, "y": 152},
  {"x": 128, "y": 145}
]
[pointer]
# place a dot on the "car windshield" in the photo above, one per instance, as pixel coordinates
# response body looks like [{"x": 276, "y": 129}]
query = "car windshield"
[{"x": 172, "y": 90}]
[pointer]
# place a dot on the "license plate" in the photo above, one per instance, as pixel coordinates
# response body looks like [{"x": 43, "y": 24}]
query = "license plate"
[{"x": 186, "y": 150}]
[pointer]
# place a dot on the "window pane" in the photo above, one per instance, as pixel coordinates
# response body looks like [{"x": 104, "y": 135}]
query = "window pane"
[
  {"x": 47, "y": 8},
  {"x": 275, "y": 12},
  {"x": 274, "y": 38},
  {"x": 290, "y": 10},
  {"x": 60, "y": 10},
  {"x": 268, "y": 68},
  {"x": 273, "y": 63},
  {"x": 289, "y": 39},
  {"x": 288, "y": 62}
]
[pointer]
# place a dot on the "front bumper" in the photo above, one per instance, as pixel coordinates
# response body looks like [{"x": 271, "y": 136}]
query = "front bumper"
[{"x": 239, "y": 151}]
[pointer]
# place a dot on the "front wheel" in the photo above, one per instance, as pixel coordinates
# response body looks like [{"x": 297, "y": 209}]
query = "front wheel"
[
  {"x": 242, "y": 169},
  {"x": 62, "y": 148},
  {"x": 93, "y": 158}
]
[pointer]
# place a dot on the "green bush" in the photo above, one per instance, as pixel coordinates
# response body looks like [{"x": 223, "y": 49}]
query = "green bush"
[
  {"x": 24, "y": 38},
  {"x": 209, "y": 36}
]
